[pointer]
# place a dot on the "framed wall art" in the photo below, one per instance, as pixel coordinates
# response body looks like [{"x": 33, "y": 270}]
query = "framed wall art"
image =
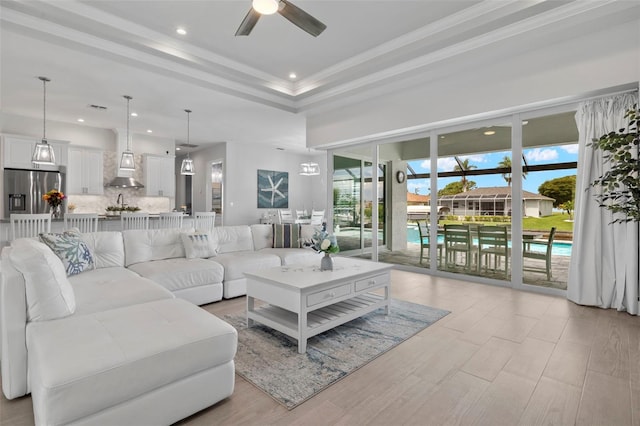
[{"x": 273, "y": 189}]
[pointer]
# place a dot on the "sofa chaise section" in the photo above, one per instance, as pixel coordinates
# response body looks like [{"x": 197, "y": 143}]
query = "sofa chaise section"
[{"x": 134, "y": 352}]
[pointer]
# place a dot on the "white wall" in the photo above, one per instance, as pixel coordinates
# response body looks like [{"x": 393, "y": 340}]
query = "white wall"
[
  {"x": 74, "y": 133},
  {"x": 241, "y": 183},
  {"x": 490, "y": 79},
  {"x": 201, "y": 181}
]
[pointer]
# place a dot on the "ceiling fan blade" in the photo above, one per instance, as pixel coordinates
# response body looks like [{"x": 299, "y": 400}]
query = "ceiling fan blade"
[
  {"x": 301, "y": 18},
  {"x": 248, "y": 23}
]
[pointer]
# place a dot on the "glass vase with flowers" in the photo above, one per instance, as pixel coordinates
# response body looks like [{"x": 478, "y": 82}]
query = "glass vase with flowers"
[
  {"x": 54, "y": 198},
  {"x": 323, "y": 242}
]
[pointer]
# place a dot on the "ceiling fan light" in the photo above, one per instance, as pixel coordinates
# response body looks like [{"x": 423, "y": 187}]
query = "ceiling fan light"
[
  {"x": 43, "y": 154},
  {"x": 126, "y": 161},
  {"x": 265, "y": 7}
]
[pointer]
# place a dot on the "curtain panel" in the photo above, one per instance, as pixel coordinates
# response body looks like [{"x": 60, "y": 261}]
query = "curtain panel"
[{"x": 604, "y": 264}]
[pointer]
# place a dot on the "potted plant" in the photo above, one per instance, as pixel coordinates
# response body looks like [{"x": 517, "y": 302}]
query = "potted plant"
[
  {"x": 112, "y": 210},
  {"x": 620, "y": 186}
]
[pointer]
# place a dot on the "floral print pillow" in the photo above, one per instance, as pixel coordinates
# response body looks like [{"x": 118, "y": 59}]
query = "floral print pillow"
[{"x": 69, "y": 247}]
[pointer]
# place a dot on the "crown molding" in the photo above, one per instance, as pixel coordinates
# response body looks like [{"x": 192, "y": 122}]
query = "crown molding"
[
  {"x": 542, "y": 20},
  {"x": 489, "y": 9},
  {"x": 203, "y": 78},
  {"x": 161, "y": 42},
  {"x": 166, "y": 55}
]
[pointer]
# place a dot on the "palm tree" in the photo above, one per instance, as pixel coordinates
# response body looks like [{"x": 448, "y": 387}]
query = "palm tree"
[
  {"x": 506, "y": 164},
  {"x": 463, "y": 166}
]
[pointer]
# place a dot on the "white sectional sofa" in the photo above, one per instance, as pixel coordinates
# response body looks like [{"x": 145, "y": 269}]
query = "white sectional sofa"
[{"x": 118, "y": 345}]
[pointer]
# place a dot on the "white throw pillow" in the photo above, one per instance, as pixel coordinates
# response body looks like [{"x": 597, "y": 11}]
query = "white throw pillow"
[
  {"x": 199, "y": 245},
  {"x": 49, "y": 293}
]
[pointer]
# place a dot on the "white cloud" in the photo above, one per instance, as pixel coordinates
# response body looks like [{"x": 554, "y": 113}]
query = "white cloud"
[
  {"x": 447, "y": 164},
  {"x": 544, "y": 154},
  {"x": 474, "y": 158},
  {"x": 426, "y": 164},
  {"x": 571, "y": 149}
]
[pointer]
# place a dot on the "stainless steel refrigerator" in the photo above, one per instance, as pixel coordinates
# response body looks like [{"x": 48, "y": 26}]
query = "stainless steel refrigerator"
[{"x": 23, "y": 190}]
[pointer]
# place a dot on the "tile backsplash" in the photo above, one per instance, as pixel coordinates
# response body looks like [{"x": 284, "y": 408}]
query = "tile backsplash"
[{"x": 132, "y": 196}]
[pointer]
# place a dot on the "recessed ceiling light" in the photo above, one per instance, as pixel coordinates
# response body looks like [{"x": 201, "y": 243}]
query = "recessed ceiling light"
[
  {"x": 80, "y": 120},
  {"x": 177, "y": 148},
  {"x": 149, "y": 131},
  {"x": 442, "y": 137},
  {"x": 525, "y": 122},
  {"x": 134, "y": 114},
  {"x": 490, "y": 132},
  {"x": 293, "y": 76},
  {"x": 181, "y": 31}
]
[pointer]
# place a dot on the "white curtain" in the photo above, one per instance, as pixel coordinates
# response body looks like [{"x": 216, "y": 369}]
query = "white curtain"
[{"x": 604, "y": 262}]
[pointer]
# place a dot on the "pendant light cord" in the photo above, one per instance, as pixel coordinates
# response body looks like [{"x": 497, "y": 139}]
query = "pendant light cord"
[
  {"x": 44, "y": 107},
  {"x": 188, "y": 111},
  {"x": 44, "y": 110},
  {"x": 128, "y": 98}
]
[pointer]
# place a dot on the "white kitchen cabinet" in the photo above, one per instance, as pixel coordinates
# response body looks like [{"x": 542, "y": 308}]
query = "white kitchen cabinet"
[
  {"x": 84, "y": 173},
  {"x": 18, "y": 151},
  {"x": 160, "y": 176}
]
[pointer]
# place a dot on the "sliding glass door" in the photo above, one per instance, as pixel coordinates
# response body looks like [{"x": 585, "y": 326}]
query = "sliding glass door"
[{"x": 353, "y": 205}]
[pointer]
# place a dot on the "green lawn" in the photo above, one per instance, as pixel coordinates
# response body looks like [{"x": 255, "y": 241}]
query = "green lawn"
[
  {"x": 559, "y": 220},
  {"x": 534, "y": 223}
]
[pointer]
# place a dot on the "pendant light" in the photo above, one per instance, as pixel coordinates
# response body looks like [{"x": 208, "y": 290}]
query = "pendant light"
[
  {"x": 43, "y": 152},
  {"x": 126, "y": 161},
  {"x": 309, "y": 168},
  {"x": 187, "y": 163}
]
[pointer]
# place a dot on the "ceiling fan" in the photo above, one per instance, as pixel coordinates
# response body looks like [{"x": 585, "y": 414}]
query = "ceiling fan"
[{"x": 285, "y": 8}]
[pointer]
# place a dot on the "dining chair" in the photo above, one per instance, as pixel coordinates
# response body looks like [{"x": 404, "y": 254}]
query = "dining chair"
[
  {"x": 528, "y": 252},
  {"x": 317, "y": 217},
  {"x": 493, "y": 241},
  {"x": 204, "y": 221},
  {"x": 29, "y": 225},
  {"x": 170, "y": 220},
  {"x": 85, "y": 222},
  {"x": 285, "y": 216},
  {"x": 300, "y": 214},
  {"x": 423, "y": 230},
  {"x": 131, "y": 220},
  {"x": 457, "y": 239}
]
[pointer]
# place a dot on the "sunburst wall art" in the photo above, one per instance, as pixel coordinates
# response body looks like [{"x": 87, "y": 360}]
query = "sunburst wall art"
[{"x": 273, "y": 189}]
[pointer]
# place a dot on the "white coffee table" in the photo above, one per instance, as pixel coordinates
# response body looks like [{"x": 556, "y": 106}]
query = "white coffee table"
[{"x": 303, "y": 301}]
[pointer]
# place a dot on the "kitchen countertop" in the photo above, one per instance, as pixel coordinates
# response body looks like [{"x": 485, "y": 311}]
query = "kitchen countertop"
[{"x": 152, "y": 216}]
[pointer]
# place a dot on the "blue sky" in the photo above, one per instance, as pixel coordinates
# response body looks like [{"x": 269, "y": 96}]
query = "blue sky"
[{"x": 547, "y": 155}]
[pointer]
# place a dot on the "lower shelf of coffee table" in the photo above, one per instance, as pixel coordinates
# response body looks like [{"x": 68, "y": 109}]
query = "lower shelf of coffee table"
[{"x": 328, "y": 316}]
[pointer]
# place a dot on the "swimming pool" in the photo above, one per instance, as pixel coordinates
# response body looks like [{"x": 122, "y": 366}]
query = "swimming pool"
[{"x": 560, "y": 248}]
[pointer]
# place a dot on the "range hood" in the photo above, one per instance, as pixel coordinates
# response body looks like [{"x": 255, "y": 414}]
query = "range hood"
[
  {"x": 123, "y": 179},
  {"x": 125, "y": 182}
]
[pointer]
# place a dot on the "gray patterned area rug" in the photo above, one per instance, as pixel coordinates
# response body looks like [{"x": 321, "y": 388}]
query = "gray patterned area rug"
[{"x": 270, "y": 359}]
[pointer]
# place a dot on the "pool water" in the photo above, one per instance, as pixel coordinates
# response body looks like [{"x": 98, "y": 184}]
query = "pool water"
[{"x": 560, "y": 248}]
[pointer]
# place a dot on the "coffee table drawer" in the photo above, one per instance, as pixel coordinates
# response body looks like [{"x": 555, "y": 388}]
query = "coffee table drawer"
[
  {"x": 372, "y": 282},
  {"x": 329, "y": 294}
]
